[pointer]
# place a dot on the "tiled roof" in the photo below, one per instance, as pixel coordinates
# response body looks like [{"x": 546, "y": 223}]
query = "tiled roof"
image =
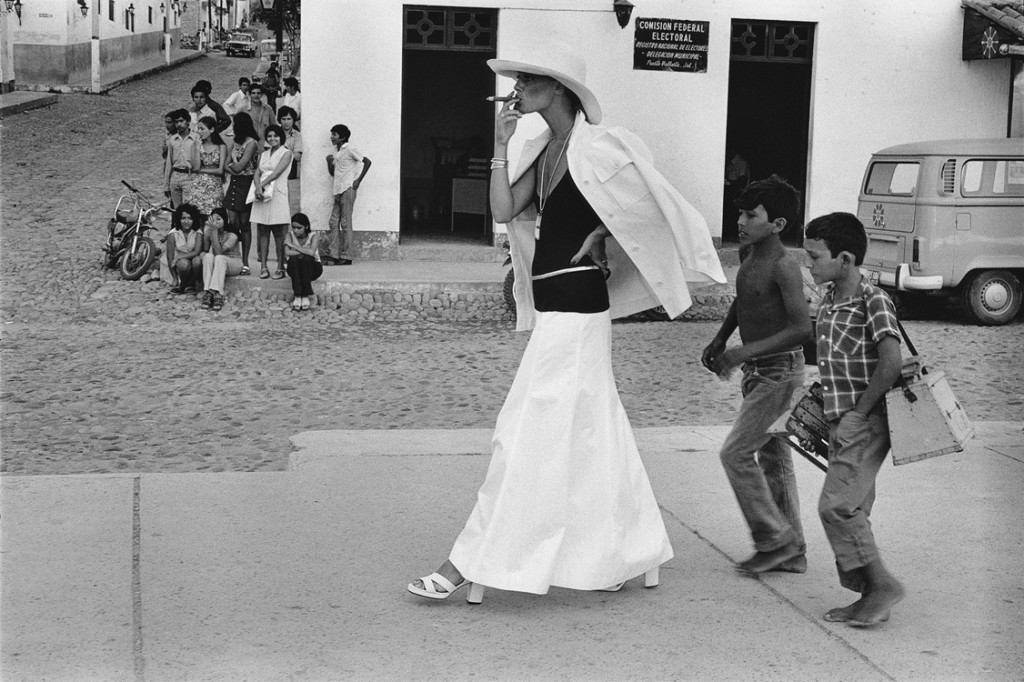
[{"x": 1005, "y": 13}]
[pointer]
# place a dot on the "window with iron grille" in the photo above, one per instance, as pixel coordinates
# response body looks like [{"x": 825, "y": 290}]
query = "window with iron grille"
[
  {"x": 771, "y": 41},
  {"x": 450, "y": 28}
]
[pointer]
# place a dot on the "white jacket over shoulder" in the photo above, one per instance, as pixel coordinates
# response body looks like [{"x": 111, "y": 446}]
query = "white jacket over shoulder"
[{"x": 659, "y": 242}]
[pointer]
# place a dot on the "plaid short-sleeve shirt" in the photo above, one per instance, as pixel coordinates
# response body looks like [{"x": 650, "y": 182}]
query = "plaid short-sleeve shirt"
[{"x": 848, "y": 333}]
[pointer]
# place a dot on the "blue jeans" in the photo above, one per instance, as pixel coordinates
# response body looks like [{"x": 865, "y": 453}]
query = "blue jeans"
[
  {"x": 857, "y": 448},
  {"x": 765, "y": 486},
  {"x": 339, "y": 243}
]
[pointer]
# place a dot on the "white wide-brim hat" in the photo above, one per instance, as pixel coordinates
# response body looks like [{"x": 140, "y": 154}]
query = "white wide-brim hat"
[{"x": 555, "y": 60}]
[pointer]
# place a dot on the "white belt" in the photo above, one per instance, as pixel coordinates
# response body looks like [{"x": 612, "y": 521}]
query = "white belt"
[{"x": 565, "y": 270}]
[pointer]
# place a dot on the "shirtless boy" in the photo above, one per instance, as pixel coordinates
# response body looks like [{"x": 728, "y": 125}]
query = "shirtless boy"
[{"x": 771, "y": 312}]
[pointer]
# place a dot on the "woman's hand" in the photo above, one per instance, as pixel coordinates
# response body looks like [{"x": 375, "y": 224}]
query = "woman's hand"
[
  {"x": 593, "y": 246},
  {"x": 508, "y": 119}
]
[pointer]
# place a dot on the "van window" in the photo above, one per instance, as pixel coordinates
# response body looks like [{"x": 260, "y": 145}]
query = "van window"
[
  {"x": 993, "y": 178},
  {"x": 893, "y": 179}
]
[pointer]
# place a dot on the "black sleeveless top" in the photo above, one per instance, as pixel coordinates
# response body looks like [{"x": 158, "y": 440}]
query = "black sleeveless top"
[{"x": 567, "y": 221}]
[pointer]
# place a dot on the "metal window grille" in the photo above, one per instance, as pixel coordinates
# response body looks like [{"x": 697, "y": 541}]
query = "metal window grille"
[
  {"x": 769, "y": 41},
  {"x": 448, "y": 28}
]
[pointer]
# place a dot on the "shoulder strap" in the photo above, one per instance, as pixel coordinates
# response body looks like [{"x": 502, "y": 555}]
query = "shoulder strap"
[{"x": 910, "y": 344}]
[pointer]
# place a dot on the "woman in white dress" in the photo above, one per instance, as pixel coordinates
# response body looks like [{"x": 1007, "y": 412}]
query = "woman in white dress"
[
  {"x": 270, "y": 210},
  {"x": 566, "y": 501}
]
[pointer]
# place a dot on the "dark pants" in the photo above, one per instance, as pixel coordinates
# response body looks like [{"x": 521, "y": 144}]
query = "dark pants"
[{"x": 303, "y": 270}]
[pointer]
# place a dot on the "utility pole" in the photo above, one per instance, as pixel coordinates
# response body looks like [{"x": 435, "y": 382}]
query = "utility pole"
[
  {"x": 94, "y": 76},
  {"x": 279, "y": 6}
]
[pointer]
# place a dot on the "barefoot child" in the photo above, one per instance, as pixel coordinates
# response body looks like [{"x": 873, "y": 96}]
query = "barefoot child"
[
  {"x": 771, "y": 312},
  {"x": 859, "y": 358},
  {"x": 344, "y": 166}
]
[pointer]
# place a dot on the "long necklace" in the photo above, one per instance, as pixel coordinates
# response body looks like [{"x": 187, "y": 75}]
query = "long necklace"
[{"x": 543, "y": 199}]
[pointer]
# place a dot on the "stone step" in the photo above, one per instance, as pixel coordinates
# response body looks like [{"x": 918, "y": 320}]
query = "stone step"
[{"x": 449, "y": 252}]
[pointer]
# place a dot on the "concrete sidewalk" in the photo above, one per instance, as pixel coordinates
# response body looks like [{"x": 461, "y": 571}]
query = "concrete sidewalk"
[{"x": 301, "y": 575}]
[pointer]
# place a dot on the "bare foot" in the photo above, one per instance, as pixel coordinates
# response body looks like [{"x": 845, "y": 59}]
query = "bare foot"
[
  {"x": 766, "y": 561},
  {"x": 797, "y": 564},
  {"x": 843, "y": 614},
  {"x": 876, "y": 604}
]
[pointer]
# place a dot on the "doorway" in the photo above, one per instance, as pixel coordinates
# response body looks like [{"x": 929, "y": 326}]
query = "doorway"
[
  {"x": 768, "y": 124},
  {"x": 447, "y": 125}
]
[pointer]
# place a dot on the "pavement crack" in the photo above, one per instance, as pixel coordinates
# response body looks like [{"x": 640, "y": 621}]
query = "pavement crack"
[
  {"x": 138, "y": 656},
  {"x": 809, "y": 617}
]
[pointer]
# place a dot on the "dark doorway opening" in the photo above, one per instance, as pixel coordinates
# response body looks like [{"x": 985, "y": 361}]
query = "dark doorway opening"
[
  {"x": 447, "y": 125},
  {"x": 768, "y": 121}
]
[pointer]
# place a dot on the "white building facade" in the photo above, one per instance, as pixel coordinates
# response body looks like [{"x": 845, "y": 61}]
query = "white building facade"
[
  {"x": 801, "y": 88},
  {"x": 52, "y": 46}
]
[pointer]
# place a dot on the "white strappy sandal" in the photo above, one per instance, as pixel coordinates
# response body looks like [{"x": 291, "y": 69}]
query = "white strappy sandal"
[
  {"x": 434, "y": 580},
  {"x": 650, "y": 580}
]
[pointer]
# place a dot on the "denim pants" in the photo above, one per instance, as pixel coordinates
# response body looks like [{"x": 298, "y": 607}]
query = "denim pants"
[
  {"x": 857, "y": 448},
  {"x": 216, "y": 268},
  {"x": 303, "y": 270},
  {"x": 181, "y": 188},
  {"x": 765, "y": 486},
  {"x": 340, "y": 225}
]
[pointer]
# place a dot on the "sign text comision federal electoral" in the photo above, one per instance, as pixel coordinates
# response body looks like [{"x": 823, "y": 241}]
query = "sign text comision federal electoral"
[{"x": 671, "y": 45}]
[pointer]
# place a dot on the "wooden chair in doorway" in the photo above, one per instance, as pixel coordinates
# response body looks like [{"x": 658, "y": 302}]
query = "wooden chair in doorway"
[{"x": 469, "y": 192}]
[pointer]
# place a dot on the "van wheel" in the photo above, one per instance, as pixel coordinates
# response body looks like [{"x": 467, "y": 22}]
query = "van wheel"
[{"x": 993, "y": 297}]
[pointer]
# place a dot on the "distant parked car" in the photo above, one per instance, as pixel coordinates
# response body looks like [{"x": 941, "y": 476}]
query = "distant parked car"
[
  {"x": 242, "y": 44},
  {"x": 946, "y": 217}
]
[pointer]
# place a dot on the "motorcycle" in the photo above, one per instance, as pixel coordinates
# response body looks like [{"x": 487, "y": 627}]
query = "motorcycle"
[{"x": 127, "y": 247}]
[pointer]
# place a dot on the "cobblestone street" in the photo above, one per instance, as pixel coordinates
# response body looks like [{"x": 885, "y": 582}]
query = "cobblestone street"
[{"x": 141, "y": 381}]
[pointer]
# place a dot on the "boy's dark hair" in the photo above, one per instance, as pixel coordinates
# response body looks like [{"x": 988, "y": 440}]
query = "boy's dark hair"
[
  {"x": 301, "y": 219},
  {"x": 243, "y": 79},
  {"x": 256, "y": 86},
  {"x": 779, "y": 198},
  {"x": 287, "y": 111},
  {"x": 841, "y": 232},
  {"x": 342, "y": 131},
  {"x": 182, "y": 114},
  {"x": 291, "y": 81}
]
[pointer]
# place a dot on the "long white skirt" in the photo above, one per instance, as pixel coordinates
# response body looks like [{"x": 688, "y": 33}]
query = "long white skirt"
[{"x": 566, "y": 500}]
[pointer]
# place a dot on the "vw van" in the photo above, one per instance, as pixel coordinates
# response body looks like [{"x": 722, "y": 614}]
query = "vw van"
[{"x": 946, "y": 217}]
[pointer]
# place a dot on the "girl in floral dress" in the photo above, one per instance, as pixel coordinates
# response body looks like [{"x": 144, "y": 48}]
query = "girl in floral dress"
[{"x": 208, "y": 180}]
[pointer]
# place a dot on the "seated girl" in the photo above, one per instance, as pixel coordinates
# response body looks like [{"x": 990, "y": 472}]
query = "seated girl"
[
  {"x": 222, "y": 258},
  {"x": 184, "y": 246},
  {"x": 304, "y": 266}
]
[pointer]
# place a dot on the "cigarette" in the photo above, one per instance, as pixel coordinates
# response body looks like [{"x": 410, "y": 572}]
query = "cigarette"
[{"x": 492, "y": 98}]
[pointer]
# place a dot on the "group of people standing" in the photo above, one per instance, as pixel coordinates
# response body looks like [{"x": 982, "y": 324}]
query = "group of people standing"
[
  {"x": 566, "y": 500},
  {"x": 243, "y": 158}
]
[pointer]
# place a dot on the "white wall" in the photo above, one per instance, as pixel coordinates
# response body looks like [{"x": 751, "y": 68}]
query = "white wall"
[
  {"x": 60, "y": 22},
  {"x": 883, "y": 73}
]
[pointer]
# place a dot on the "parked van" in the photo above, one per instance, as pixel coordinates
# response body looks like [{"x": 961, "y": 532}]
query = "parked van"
[{"x": 946, "y": 217}]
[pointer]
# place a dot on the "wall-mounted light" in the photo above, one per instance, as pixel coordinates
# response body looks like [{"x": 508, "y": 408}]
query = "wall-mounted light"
[
  {"x": 131, "y": 9},
  {"x": 163, "y": 8},
  {"x": 84, "y": 6},
  {"x": 623, "y": 10},
  {"x": 16, "y": 6}
]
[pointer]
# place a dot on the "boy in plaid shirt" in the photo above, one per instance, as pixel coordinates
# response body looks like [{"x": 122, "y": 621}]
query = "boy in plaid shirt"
[{"x": 859, "y": 359}]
